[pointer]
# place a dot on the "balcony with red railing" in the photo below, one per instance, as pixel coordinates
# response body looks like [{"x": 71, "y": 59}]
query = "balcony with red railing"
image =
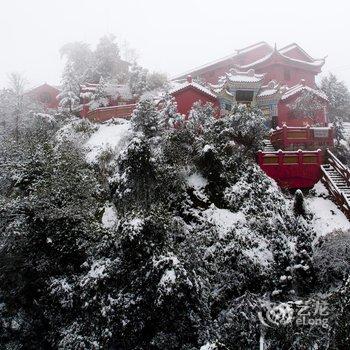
[
  {"x": 308, "y": 138},
  {"x": 292, "y": 169}
]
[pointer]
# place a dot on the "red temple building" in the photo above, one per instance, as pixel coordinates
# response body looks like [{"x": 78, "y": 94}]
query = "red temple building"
[
  {"x": 189, "y": 92},
  {"x": 274, "y": 80},
  {"x": 268, "y": 78},
  {"x": 119, "y": 103},
  {"x": 45, "y": 94},
  {"x": 298, "y": 154}
]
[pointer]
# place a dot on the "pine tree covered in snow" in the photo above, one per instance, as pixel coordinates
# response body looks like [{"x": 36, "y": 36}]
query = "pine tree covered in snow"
[
  {"x": 17, "y": 109},
  {"x": 99, "y": 98},
  {"x": 141, "y": 80},
  {"x": 70, "y": 92},
  {"x": 146, "y": 118},
  {"x": 107, "y": 61},
  {"x": 338, "y": 130},
  {"x": 308, "y": 104},
  {"x": 299, "y": 204},
  {"x": 248, "y": 125},
  {"x": 338, "y": 97},
  {"x": 46, "y": 228}
]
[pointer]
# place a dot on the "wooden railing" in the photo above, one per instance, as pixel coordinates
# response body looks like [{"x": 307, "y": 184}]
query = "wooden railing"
[
  {"x": 338, "y": 166},
  {"x": 336, "y": 193},
  {"x": 290, "y": 158},
  {"x": 292, "y": 169},
  {"x": 288, "y": 138}
]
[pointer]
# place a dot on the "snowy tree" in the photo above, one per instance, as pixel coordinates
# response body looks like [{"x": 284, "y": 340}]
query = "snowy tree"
[
  {"x": 108, "y": 63},
  {"x": 80, "y": 59},
  {"x": 299, "y": 206},
  {"x": 331, "y": 259},
  {"x": 17, "y": 84},
  {"x": 141, "y": 80},
  {"x": 238, "y": 325},
  {"x": 16, "y": 107},
  {"x": 338, "y": 97},
  {"x": 339, "y": 333},
  {"x": 70, "y": 91},
  {"x": 47, "y": 220},
  {"x": 161, "y": 297},
  {"x": 138, "y": 80},
  {"x": 171, "y": 118},
  {"x": 302, "y": 268},
  {"x": 308, "y": 104},
  {"x": 201, "y": 116},
  {"x": 339, "y": 131},
  {"x": 147, "y": 119},
  {"x": 248, "y": 125},
  {"x": 99, "y": 98}
]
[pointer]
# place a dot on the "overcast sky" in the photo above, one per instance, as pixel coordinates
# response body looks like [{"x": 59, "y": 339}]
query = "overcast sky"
[{"x": 169, "y": 36}]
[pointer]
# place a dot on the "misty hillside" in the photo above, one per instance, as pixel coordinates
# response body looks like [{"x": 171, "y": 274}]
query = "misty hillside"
[
  {"x": 137, "y": 235},
  {"x": 181, "y": 184}
]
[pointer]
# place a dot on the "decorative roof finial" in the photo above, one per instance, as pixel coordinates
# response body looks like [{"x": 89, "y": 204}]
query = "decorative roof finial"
[
  {"x": 275, "y": 48},
  {"x": 189, "y": 79}
]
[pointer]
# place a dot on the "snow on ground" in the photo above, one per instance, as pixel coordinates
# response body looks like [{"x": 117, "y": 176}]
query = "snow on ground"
[
  {"x": 109, "y": 218},
  {"x": 168, "y": 278},
  {"x": 97, "y": 271},
  {"x": 108, "y": 136},
  {"x": 208, "y": 346},
  {"x": 197, "y": 181},
  {"x": 224, "y": 219},
  {"x": 260, "y": 254},
  {"x": 327, "y": 216}
]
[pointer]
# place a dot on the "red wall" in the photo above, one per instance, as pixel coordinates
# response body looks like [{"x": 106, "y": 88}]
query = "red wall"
[
  {"x": 292, "y": 175},
  {"x": 187, "y": 97},
  {"x": 45, "y": 94},
  {"x": 106, "y": 113},
  {"x": 112, "y": 103},
  {"x": 285, "y": 117},
  {"x": 276, "y": 72}
]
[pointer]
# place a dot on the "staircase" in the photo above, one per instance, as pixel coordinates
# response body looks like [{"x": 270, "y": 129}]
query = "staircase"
[
  {"x": 336, "y": 178},
  {"x": 268, "y": 147}
]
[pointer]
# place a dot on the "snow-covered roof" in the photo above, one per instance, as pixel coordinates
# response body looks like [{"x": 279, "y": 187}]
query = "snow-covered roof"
[
  {"x": 88, "y": 87},
  {"x": 247, "y": 76},
  {"x": 239, "y": 79},
  {"x": 302, "y": 87},
  {"x": 271, "y": 89},
  {"x": 112, "y": 89},
  {"x": 222, "y": 59},
  {"x": 315, "y": 63},
  {"x": 292, "y": 46},
  {"x": 267, "y": 92},
  {"x": 37, "y": 87},
  {"x": 283, "y": 52},
  {"x": 197, "y": 86}
]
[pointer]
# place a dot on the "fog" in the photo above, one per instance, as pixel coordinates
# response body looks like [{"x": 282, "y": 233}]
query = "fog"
[{"x": 170, "y": 37}]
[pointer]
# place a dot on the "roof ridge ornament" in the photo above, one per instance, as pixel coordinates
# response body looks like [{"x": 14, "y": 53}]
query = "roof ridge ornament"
[{"x": 251, "y": 72}]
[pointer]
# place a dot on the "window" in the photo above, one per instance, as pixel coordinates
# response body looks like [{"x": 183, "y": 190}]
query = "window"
[
  {"x": 244, "y": 96},
  {"x": 286, "y": 74}
]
